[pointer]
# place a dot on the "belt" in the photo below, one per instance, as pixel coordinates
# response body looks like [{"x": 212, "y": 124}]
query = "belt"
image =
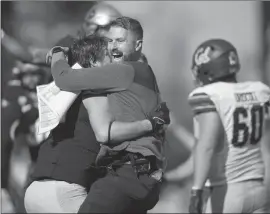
[{"x": 140, "y": 164}]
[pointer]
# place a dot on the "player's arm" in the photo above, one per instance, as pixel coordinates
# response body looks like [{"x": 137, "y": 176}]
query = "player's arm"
[
  {"x": 109, "y": 78},
  {"x": 184, "y": 170},
  {"x": 210, "y": 128},
  {"x": 109, "y": 131},
  {"x": 266, "y": 148},
  {"x": 100, "y": 119},
  {"x": 15, "y": 48}
]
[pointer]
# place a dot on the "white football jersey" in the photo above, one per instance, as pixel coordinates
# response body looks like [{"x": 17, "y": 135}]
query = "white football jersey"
[{"x": 243, "y": 109}]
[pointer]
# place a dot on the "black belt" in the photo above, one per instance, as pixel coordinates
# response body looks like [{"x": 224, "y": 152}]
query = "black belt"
[{"x": 140, "y": 163}]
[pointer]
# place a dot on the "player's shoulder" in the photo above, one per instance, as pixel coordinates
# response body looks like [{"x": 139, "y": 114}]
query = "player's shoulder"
[
  {"x": 260, "y": 86},
  {"x": 210, "y": 90},
  {"x": 261, "y": 90},
  {"x": 200, "y": 101}
]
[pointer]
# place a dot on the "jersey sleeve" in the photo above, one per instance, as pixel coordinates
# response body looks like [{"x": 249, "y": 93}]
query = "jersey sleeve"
[
  {"x": 200, "y": 102},
  {"x": 266, "y": 91},
  {"x": 264, "y": 97},
  {"x": 267, "y": 110}
]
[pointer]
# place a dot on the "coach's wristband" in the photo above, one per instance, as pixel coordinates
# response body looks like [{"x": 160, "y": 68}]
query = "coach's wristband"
[
  {"x": 57, "y": 49},
  {"x": 196, "y": 188},
  {"x": 196, "y": 192}
]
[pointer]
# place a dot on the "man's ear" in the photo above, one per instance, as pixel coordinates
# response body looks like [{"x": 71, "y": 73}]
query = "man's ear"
[{"x": 138, "y": 45}]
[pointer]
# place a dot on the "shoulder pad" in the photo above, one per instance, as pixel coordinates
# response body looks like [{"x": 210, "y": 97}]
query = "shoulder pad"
[
  {"x": 200, "y": 101},
  {"x": 263, "y": 87}
]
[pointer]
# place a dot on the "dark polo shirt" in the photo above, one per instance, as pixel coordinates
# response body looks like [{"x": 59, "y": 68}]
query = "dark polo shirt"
[
  {"x": 70, "y": 150},
  {"x": 132, "y": 93}
]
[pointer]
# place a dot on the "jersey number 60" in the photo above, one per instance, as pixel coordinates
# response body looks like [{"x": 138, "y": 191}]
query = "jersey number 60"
[{"x": 250, "y": 130}]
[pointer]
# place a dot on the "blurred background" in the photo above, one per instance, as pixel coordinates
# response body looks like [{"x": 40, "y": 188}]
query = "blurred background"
[{"x": 172, "y": 31}]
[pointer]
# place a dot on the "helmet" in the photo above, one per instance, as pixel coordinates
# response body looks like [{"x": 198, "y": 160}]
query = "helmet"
[
  {"x": 213, "y": 60},
  {"x": 100, "y": 14}
]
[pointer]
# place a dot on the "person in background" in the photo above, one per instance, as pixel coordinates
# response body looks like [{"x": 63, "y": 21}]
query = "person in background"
[
  {"x": 19, "y": 113},
  {"x": 231, "y": 127}
]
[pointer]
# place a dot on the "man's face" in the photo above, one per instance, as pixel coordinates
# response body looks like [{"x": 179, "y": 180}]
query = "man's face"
[{"x": 121, "y": 44}]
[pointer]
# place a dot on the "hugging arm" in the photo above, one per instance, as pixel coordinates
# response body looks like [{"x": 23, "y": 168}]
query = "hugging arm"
[
  {"x": 107, "y": 78},
  {"x": 108, "y": 131},
  {"x": 266, "y": 150}
]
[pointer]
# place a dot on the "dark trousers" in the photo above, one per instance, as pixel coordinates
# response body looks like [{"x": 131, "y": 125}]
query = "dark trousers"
[{"x": 122, "y": 191}]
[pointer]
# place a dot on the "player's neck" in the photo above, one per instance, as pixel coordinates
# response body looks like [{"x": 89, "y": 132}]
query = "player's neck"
[{"x": 229, "y": 79}]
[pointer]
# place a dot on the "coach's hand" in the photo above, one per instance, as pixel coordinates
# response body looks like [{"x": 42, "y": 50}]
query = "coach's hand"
[
  {"x": 55, "y": 50},
  {"x": 159, "y": 117},
  {"x": 196, "y": 201}
]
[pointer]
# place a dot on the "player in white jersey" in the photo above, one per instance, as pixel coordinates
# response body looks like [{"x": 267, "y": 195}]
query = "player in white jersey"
[{"x": 231, "y": 124}]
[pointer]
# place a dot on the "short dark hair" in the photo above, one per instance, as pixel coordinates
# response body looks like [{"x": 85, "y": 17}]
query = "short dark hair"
[
  {"x": 88, "y": 50},
  {"x": 129, "y": 24}
]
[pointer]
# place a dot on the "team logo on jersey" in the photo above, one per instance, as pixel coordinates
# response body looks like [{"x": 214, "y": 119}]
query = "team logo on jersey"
[
  {"x": 233, "y": 59},
  {"x": 202, "y": 56}
]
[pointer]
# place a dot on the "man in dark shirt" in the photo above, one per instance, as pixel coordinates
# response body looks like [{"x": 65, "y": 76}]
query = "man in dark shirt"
[
  {"x": 132, "y": 91},
  {"x": 66, "y": 159}
]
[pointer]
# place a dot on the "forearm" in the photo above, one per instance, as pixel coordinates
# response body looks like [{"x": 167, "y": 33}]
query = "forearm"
[
  {"x": 183, "y": 135},
  {"x": 122, "y": 131},
  {"x": 16, "y": 49},
  {"x": 101, "y": 119},
  {"x": 185, "y": 170},
  {"x": 265, "y": 149},
  {"x": 113, "y": 77},
  {"x": 202, "y": 165},
  {"x": 267, "y": 175}
]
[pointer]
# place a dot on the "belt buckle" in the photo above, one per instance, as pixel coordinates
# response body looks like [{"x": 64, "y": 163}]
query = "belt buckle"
[{"x": 143, "y": 168}]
